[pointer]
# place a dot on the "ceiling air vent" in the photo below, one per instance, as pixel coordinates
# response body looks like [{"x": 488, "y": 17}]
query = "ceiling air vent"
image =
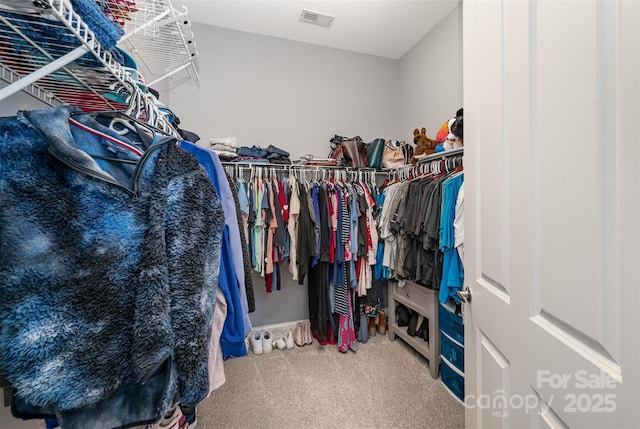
[{"x": 316, "y": 18}]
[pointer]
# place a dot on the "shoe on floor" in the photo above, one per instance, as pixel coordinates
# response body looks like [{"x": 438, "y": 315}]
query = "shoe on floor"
[
  {"x": 247, "y": 341},
  {"x": 382, "y": 323},
  {"x": 256, "y": 342},
  {"x": 371, "y": 321},
  {"x": 279, "y": 341},
  {"x": 289, "y": 340},
  {"x": 267, "y": 341},
  {"x": 413, "y": 323},
  {"x": 308, "y": 338},
  {"x": 174, "y": 419},
  {"x": 191, "y": 421},
  {"x": 298, "y": 335}
]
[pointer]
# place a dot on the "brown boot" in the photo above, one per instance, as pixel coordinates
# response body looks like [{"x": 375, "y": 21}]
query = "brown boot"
[
  {"x": 382, "y": 323},
  {"x": 372, "y": 326}
]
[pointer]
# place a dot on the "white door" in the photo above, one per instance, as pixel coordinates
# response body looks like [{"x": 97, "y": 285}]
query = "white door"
[{"x": 552, "y": 155}]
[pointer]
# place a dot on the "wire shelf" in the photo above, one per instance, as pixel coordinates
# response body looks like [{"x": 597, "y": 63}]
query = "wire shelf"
[
  {"x": 29, "y": 44},
  {"x": 157, "y": 29},
  {"x": 56, "y": 57}
]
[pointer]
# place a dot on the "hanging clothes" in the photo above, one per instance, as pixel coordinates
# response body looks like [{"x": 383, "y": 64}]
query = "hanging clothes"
[
  {"x": 233, "y": 245},
  {"x": 240, "y": 216},
  {"x": 292, "y": 226},
  {"x": 453, "y": 271},
  {"x": 216, "y": 359},
  {"x": 73, "y": 214}
]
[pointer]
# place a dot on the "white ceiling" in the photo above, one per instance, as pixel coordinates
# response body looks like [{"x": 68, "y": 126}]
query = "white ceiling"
[{"x": 386, "y": 28}]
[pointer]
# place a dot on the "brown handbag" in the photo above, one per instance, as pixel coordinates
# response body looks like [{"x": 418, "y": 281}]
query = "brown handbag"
[{"x": 355, "y": 152}]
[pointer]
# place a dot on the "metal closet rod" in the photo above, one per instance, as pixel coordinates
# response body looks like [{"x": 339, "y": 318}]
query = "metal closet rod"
[
  {"x": 248, "y": 165},
  {"x": 441, "y": 155}
]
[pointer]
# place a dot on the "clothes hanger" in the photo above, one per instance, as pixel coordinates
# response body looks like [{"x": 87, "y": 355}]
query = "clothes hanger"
[{"x": 126, "y": 120}]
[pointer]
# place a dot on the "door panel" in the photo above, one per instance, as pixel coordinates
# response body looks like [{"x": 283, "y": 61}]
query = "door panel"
[
  {"x": 494, "y": 227},
  {"x": 552, "y": 212},
  {"x": 544, "y": 417},
  {"x": 566, "y": 121},
  {"x": 493, "y": 409}
]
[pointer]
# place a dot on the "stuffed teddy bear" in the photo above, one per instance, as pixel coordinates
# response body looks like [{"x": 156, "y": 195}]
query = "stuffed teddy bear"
[{"x": 424, "y": 145}]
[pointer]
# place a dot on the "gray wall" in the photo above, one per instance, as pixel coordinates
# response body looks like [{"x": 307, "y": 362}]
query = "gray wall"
[
  {"x": 266, "y": 90},
  {"x": 18, "y": 101},
  {"x": 431, "y": 78}
]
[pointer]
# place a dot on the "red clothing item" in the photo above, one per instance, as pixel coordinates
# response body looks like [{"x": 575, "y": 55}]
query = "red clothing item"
[
  {"x": 284, "y": 204},
  {"x": 268, "y": 278}
]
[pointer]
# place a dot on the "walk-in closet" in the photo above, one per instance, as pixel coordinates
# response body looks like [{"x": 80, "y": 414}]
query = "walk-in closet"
[{"x": 319, "y": 214}]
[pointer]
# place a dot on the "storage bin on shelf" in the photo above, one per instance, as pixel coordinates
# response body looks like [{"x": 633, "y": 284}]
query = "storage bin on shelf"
[
  {"x": 451, "y": 324},
  {"x": 452, "y": 350},
  {"x": 452, "y": 380}
]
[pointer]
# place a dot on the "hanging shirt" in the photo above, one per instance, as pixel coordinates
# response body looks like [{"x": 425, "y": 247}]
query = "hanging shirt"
[
  {"x": 270, "y": 220},
  {"x": 452, "y": 270},
  {"x": 209, "y": 159},
  {"x": 318, "y": 224},
  {"x": 258, "y": 226},
  {"x": 292, "y": 226},
  {"x": 244, "y": 207},
  {"x": 458, "y": 224}
]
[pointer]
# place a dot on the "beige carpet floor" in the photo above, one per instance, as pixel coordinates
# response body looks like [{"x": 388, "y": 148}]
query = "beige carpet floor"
[{"x": 385, "y": 384}]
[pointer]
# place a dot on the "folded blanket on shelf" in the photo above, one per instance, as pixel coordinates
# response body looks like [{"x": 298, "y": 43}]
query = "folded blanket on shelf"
[
  {"x": 223, "y": 148},
  {"x": 226, "y": 154},
  {"x": 227, "y": 141}
]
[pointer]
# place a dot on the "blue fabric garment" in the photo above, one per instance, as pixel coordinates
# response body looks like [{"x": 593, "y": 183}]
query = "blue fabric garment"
[
  {"x": 106, "y": 31},
  {"x": 232, "y": 337},
  {"x": 277, "y": 151},
  {"x": 242, "y": 196},
  {"x": 53, "y": 36},
  {"x": 97, "y": 278},
  {"x": 379, "y": 270},
  {"x": 452, "y": 269},
  {"x": 211, "y": 163},
  {"x": 254, "y": 151},
  {"x": 51, "y": 423}
]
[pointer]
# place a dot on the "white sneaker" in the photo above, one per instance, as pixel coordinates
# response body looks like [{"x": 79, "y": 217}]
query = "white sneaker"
[
  {"x": 267, "y": 341},
  {"x": 247, "y": 341},
  {"x": 289, "y": 340},
  {"x": 256, "y": 342},
  {"x": 278, "y": 340}
]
